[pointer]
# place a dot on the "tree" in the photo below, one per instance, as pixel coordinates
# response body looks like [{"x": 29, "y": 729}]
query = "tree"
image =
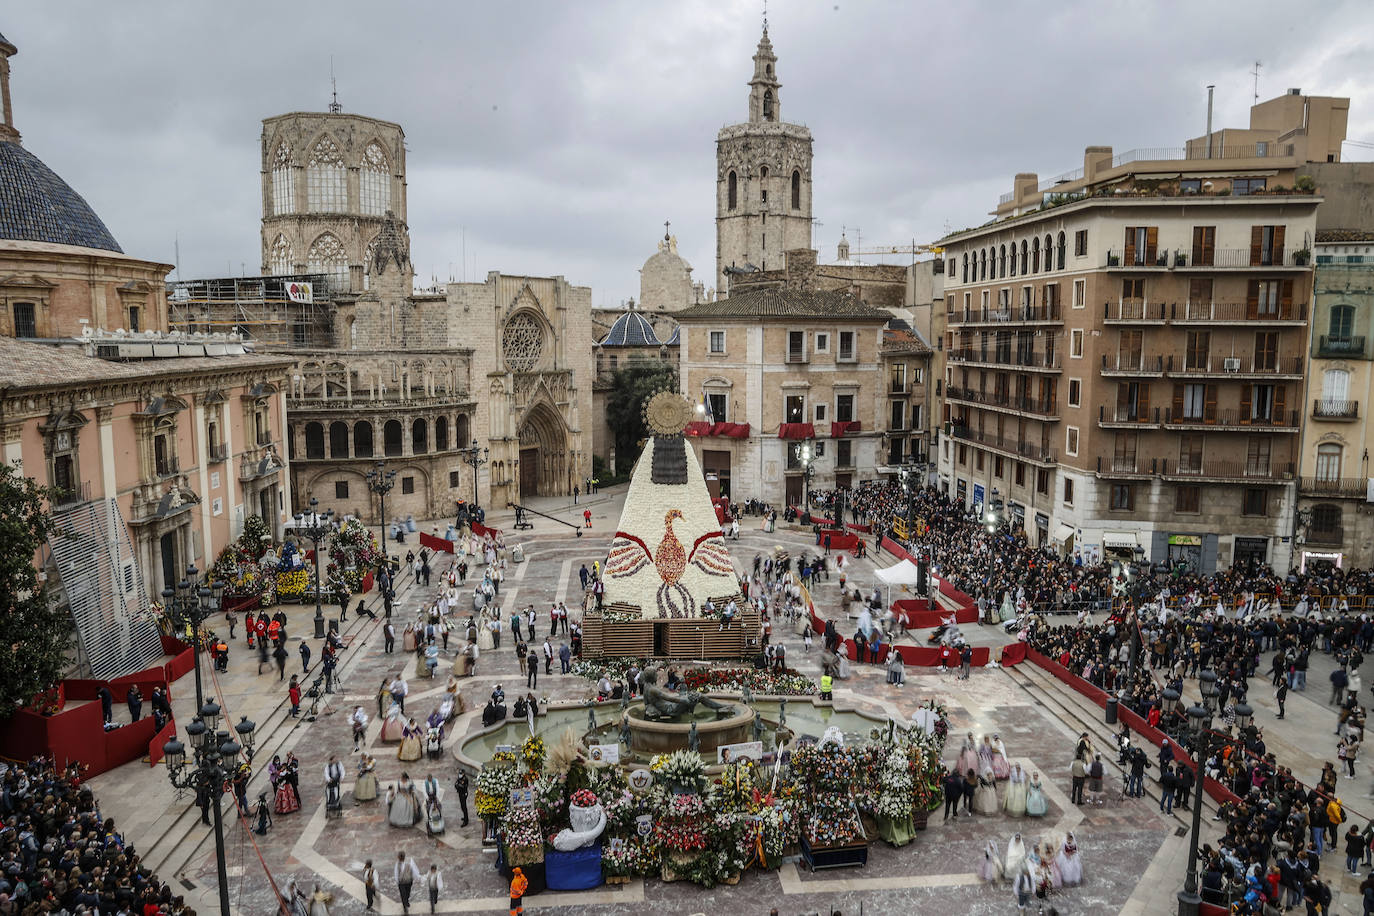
[
  {"x": 634, "y": 385},
  {"x": 36, "y": 630}
]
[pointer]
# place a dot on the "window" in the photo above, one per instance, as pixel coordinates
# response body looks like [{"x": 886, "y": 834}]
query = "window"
[
  {"x": 1133, "y": 288},
  {"x": 441, "y": 434},
  {"x": 1025, "y": 257},
  {"x": 1080, "y": 243},
  {"x": 1019, "y": 475},
  {"x": 796, "y": 346},
  {"x": 997, "y": 463},
  {"x": 1257, "y": 456},
  {"x": 978, "y": 460},
  {"x": 1190, "y": 453},
  {"x": 717, "y": 341},
  {"x": 1204, "y": 246},
  {"x": 897, "y": 415},
  {"x": 847, "y": 346},
  {"x": 338, "y": 439},
  {"x": 1326, "y": 518},
  {"x": 1068, "y": 491},
  {"x": 283, "y": 181},
  {"x": 1195, "y": 402},
  {"x": 314, "y": 440},
  {"x": 1190, "y": 185},
  {"x": 1076, "y": 343},
  {"x": 453, "y": 480},
  {"x": 134, "y": 313},
  {"x": 1059, "y": 250},
  {"x": 1196, "y": 354},
  {"x": 1269, "y": 298},
  {"x": 327, "y": 256},
  {"x": 1071, "y": 441},
  {"x": 1188, "y": 498},
  {"x": 1124, "y": 452},
  {"x": 796, "y": 190},
  {"x": 1266, "y": 350},
  {"x": 763, "y": 188},
  {"x": 1242, "y": 186},
  {"x": 1123, "y": 497},
  {"x": 732, "y": 191},
  {"x": 1329, "y": 461},
  {"x": 1002, "y": 261},
  {"x": 1035, "y": 255},
  {"x": 822, "y": 342},
  {"x": 1255, "y": 501},
  {"x": 326, "y": 179},
  {"x": 844, "y": 408},
  {"x": 25, "y": 323},
  {"x": 899, "y": 378},
  {"x": 794, "y": 408},
  {"x": 407, "y": 484},
  {"x": 1141, "y": 242},
  {"x": 341, "y": 489},
  {"x": 362, "y": 439},
  {"x": 1129, "y": 349},
  {"x": 391, "y": 438},
  {"x": 1342, "y": 324},
  {"x": 374, "y": 182},
  {"x": 1266, "y": 402},
  {"x": 1133, "y": 401},
  {"x": 1266, "y": 245},
  {"x": 419, "y": 437},
  {"x": 963, "y": 453},
  {"x": 1080, "y": 293},
  {"x": 717, "y": 407},
  {"x": 1335, "y": 384},
  {"x": 916, "y": 416},
  {"x": 768, "y": 105},
  {"x": 1075, "y": 392},
  {"x": 820, "y": 413},
  {"x": 1042, "y": 482},
  {"x": 843, "y": 453}
]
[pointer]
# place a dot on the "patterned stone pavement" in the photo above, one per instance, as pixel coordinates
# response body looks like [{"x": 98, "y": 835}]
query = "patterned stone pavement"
[{"x": 936, "y": 871}]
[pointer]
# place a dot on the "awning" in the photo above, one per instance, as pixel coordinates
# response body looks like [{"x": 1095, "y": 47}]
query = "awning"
[
  {"x": 796, "y": 431},
  {"x": 843, "y": 428},
  {"x": 1119, "y": 539},
  {"x": 1063, "y": 532},
  {"x": 730, "y": 430}
]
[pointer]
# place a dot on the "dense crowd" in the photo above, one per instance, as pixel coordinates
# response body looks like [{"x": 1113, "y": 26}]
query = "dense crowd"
[{"x": 58, "y": 856}]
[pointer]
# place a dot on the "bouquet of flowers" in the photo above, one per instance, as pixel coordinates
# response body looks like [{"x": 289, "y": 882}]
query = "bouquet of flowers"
[
  {"x": 681, "y": 768},
  {"x": 584, "y": 798},
  {"x": 831, "y": 826},
  {"x": 787, "y": 682},
  {"x": 778, "y": 822},
  {"x": 680, "y": 829},
  {"x": 291, "y": 583},
  {"x": 495, "y": 783},
  {"x": 524, "y": 841},
  {"x": 894, "y": 798},
  {"x": 631, "y": 856},
  {"x": 533, "y": 753},
  {"x": 827, "y": 769}
]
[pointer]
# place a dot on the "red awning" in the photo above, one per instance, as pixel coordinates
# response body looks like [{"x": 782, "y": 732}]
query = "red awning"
[
  {"x": 732, "y": 430},
  {"x": 796, "y": 431},
  {"x": 843, "y": 428}
]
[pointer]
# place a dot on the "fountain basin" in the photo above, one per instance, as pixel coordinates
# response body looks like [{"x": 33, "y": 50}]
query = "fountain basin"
[{"x": 663, "y": 736}]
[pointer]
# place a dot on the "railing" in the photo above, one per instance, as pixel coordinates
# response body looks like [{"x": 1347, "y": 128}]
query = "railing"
[
  {"x": 1284, "y": 365},
  {"x": 1334, "y": 535},
  {"x": 898, "y": 388},
  {"x": 76, "y": 493},
  {"x": 1232, "y": 470},
  {"x": 1029, "y": 450},
  {"x": 167, "y": 467},
  {"x": 219, "y": 452},
  {"x": 1133, "y": 362},
  {"x": 1220, "y": 258},
  {"x": 1133, "y": 310},
  {"x": 1008, "y": 314},
  {"x": 265, "y": 438},
  {"x": 1284, "y": 419},
  {"x": 1050, "y": 183},
  {"x": 796, "y": 356},
  {"x": 1340, "y": 346},
  {"x": 1351, "y": 487},
  {"x": 1238, "y": 312},
  {"x": 1170, "y": 153},
  {"x": 1048, "y": 407},
  {"x": 1127, "y": 415},
  {"x": 1126, "y": 465},
  {"x": 1331, "y": 409},
  {"x": 1029, "y": 360},
  {"x": 1006, "y": 198}
]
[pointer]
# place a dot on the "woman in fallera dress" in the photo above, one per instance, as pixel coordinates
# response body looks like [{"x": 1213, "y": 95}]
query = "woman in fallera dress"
[
  {"x": 1015, "y": 801},
  {"x": 968, "y": 755},
  {"x": 394, "y": 725},
  {"x": 402, "y": 805},
  {"x": 1070, "y": 865},
  {"x": 365, "y": 788},
  {"x": 1015, "y": 862},
  {"x": 985, "y": 796},
  {"x": 991, "y": 868},
  {"x": 1001, "y": 766},
  {"x": 411, "y": 748},
  {"x": 1036, "y": 805},
  {"x": 985, "y": 754}
]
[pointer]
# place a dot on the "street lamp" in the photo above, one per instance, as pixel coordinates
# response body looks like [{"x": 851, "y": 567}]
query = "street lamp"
[
  {"x": 187, "y": 606},
  {"x": 474, "y": 458},
  {"x": 1199, "y": 727},
  {"x": 215, "y": 754},
  {"x": 808, "y": 459},
  {"x": 315, "y": 526},
  {"x": 380, "y": 481}
]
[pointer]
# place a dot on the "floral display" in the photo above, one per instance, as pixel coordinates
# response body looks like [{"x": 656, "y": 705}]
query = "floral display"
[
  {"x": 827, "y": 776},
  {"x": 532, "y": 752},
  {"x": 495, "y": 783},
  {"x": 353, "y": 551},
  {"x": 894, "y": 798},
  {"x": 584, "y": 798},
  {"x": 631, "y": 857},
  {"x": 684, "y": 769},
  {"x": 291, "y": 584},
  {"x": 731, "y": 679},
  {"x": 524, "y": 842}
]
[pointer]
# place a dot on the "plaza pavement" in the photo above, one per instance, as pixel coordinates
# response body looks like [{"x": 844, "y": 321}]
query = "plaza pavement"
[{"x": 1134, "y": 856}]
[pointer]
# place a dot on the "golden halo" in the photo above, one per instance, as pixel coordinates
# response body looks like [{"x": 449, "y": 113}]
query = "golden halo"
[{"x": 667, "y": 413}]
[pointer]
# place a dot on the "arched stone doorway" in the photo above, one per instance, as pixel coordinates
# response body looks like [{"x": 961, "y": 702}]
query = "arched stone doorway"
[{"x": 543, "y": 453}]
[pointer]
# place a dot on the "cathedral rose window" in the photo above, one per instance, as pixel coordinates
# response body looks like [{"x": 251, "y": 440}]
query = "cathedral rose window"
[{"x": 522, "y": 343}]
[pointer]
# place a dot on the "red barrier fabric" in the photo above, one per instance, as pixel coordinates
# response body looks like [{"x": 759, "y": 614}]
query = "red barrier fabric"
[
  {"x": 368, "y": 581},
  {"x": 720, "y": 515},
  {"x": 843, "y": 428},
  {"x": 483, "y": 531},
  {"x": 909, "y": 605},
  {"x": 796, "y": 431},
  {"x": 436, "y": 543},
  {"x": 80, "y": 688},
  {"x": 169, "y": 731},
  {"x": 838, "y": 541},
  {"x": 1013, "y": 654},
  {"x": 701, "y": 428},
  {"x": 862, "y": 529},
  {"x": 897, "y": 550},
  {"x": 181, "y": 665},
  {"x": 240, "y": 603}
]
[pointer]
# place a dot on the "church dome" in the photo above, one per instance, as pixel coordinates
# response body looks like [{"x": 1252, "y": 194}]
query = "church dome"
[
  {"x": 38, "y": 206},
  {"x": 631, "y": 330},
  {"x": 665, "y": 280}
]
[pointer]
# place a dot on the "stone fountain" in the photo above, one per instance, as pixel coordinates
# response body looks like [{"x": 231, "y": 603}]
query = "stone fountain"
[{"x": 664, "y": 721}]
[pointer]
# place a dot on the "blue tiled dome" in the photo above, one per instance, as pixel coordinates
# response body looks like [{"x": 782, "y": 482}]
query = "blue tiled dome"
[
  {"x": 631, "y": 330},
  {"x": 676, "y": 339},
  {"x": 38, "y": 206}
]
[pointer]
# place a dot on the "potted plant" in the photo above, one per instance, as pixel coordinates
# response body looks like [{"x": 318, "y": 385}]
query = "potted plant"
[
  {"x": 1113, "y": 260},
  {"x": 1302, "y": 256},
  {"x": 1180, "y": 259}
]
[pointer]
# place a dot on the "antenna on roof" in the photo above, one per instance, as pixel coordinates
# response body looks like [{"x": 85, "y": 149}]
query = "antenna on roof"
[
  {"x": 1255, "y": 74},
  {"x": 334, "y": 106}
]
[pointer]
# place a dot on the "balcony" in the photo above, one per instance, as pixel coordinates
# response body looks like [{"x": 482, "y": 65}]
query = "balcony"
[
  {"x": 1133, "y": 311},
  {"x": 796, "y": 356},
  {"x": 257, "y": 464},
  {"x": 1333, "y": 409},
  {"x": 1008, "y": 446},
  {"x": 1006, "y": 357},
  {"x": 1214, "y": 420},
  {"x": 1126, "y": 418},
  {"x": 1001, "y": 315},
  {"x": 219, "y": 453},
  {"x": 1238, "y": 367},
  {"x": 1230, "y": 472},
  {"x": 264, "y": 438},
  {"x": 1341, "y": 347},
  {"x": 1132, "y": 365},
  {"x": 1334, "y": 487},
  {"x": 1125, "y": 466},
  {"x": 72, "y": 494},
  {"x": 1211, "y": 312},
  {"x": 1331, "y": 536},
  {"x": 898, "y": 388},
  {"x": 1046, "y": 408},
  {"x": 167, "y": 467},
  {"x": 1221, "y": 258}
]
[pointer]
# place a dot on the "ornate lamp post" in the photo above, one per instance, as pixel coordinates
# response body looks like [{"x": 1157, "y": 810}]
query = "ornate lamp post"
[
  {"x": 1199, "y": 726},
  {"x": 808, "y": 459},
  {"x": 315, "y": 526},
  {"x": 474, "y": 458},
  {"x": 214, "y": 753},
  {"x": 380, "y": 481},
  {"x": 188, "y": 605}
]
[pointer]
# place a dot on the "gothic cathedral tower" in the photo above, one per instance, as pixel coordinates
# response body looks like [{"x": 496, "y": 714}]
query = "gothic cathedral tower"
[{"x": 763, "y": 181}]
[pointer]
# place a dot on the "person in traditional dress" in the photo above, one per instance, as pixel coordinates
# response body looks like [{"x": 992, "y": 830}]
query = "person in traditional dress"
[
  {"x": 411, "y": 748},
  {"x": 1036, "y": 805},
  {"x": 449, "y": 705},
  {"x": 968, "y": 755},
  {"x": 991, "y": 867},
  {"x": 333, "y": 783},
  {"x": 1015, "y": 801},
  {"x": 365, "y": 787},
  {"x": 1015, "y": 861},
  {"x": 319, "y": 902},
  {"x": 985, "y": 796},
  {"x": 393, "y": 726},
  {"x": 434, "y": 811},
  {"x": 1050, "y": 864},
  {"x": 985, "y": 754},
  {"x": 1070, "y": 865},
  {"x": 1001, "y": 765},
  {"x": 402, "y": 805}
]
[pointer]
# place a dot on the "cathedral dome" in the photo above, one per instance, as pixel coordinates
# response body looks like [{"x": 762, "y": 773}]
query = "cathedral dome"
[
  {"x": 665, "y": 280},
  {"x": 38, "y": 206},
  {"x": 631, "y": 330}
]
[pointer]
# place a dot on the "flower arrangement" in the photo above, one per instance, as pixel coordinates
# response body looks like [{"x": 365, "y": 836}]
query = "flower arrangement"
[
  {"x": 684, "y": 769},
  {"x": 631, "y": 856},
  {"x": 941, "y": 721},
  {"x": 769, "y": 682},
  {"x": 495, "y": 783},
  {"x": 524, "y": 841},
  {"x": 894, "y": 797},
  {"x": 680, "y": 827},
  {"x": 532, "y": 751},
  {"x": 585, "y": 798},
  {"x": 291, "y": 583},
  {"x": 831, "y": 826},
  {"x": 352, "y": 552}
]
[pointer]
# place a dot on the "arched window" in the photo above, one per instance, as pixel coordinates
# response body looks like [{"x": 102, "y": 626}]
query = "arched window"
[
  {"x": 326, "y": 179},
  {"x": 419, "y": 437},
  {"x": 362, "y": 439},
  {"x": 763, "y": 184},
  {"x": 281, "y": 259},
  {"x": 732, "y": 191},
  {"x": 1049, "y": 253},
  {"x": 1329, "y": 461},
  {"x": 1025, "y": 258},
  {"x": 441, "y": 434},
  {"x": 283, "y": 181},
  {"x": 314, "y": 440},
  {"x": 327, "y": 256},
  {"x": 1342, "y": 327},
  {"x": 1002, "y": 260},
  {"x": 1335, "y": 386},
  {"x": 368, "y": 257},
  {"x": 1035, "y": 255},
  {"x": 1326, "y": 518},
  {"x": 460, "y": 432},
  {"x": 374, "y": 182},
  {"x": 965, "y": 274},
  {"x": 391, "y": 438},
  {"x": 1013, "y": 259},
  {"x": 796, "y": 189},
  {"x": 338, "y": 439},
  {"x": 1060, "y": 248},
  {"x": 768, "y": 105}
]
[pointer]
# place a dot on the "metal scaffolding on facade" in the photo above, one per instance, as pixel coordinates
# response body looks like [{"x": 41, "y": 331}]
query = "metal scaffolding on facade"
[{"x": 272, "y": 311}]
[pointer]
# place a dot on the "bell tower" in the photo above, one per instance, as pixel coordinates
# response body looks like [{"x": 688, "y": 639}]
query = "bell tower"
[{"x": 763, "y": 181}]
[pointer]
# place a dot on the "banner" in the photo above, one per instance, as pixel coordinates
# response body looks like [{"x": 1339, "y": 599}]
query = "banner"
[{"x": 299, "y": 291}]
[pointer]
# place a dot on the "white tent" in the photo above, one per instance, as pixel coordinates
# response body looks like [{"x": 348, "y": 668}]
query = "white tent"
[{"x": 903, "y": 573}]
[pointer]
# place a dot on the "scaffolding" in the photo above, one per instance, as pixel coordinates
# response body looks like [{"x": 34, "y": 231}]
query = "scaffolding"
[{"x": 259, "y": 308}]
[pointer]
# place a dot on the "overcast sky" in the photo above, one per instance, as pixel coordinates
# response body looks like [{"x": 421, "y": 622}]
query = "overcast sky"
[{"x": 559, "y": 136}]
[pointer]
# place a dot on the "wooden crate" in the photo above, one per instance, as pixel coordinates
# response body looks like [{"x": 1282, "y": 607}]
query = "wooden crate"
[{"x": 671, "y": 638}]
